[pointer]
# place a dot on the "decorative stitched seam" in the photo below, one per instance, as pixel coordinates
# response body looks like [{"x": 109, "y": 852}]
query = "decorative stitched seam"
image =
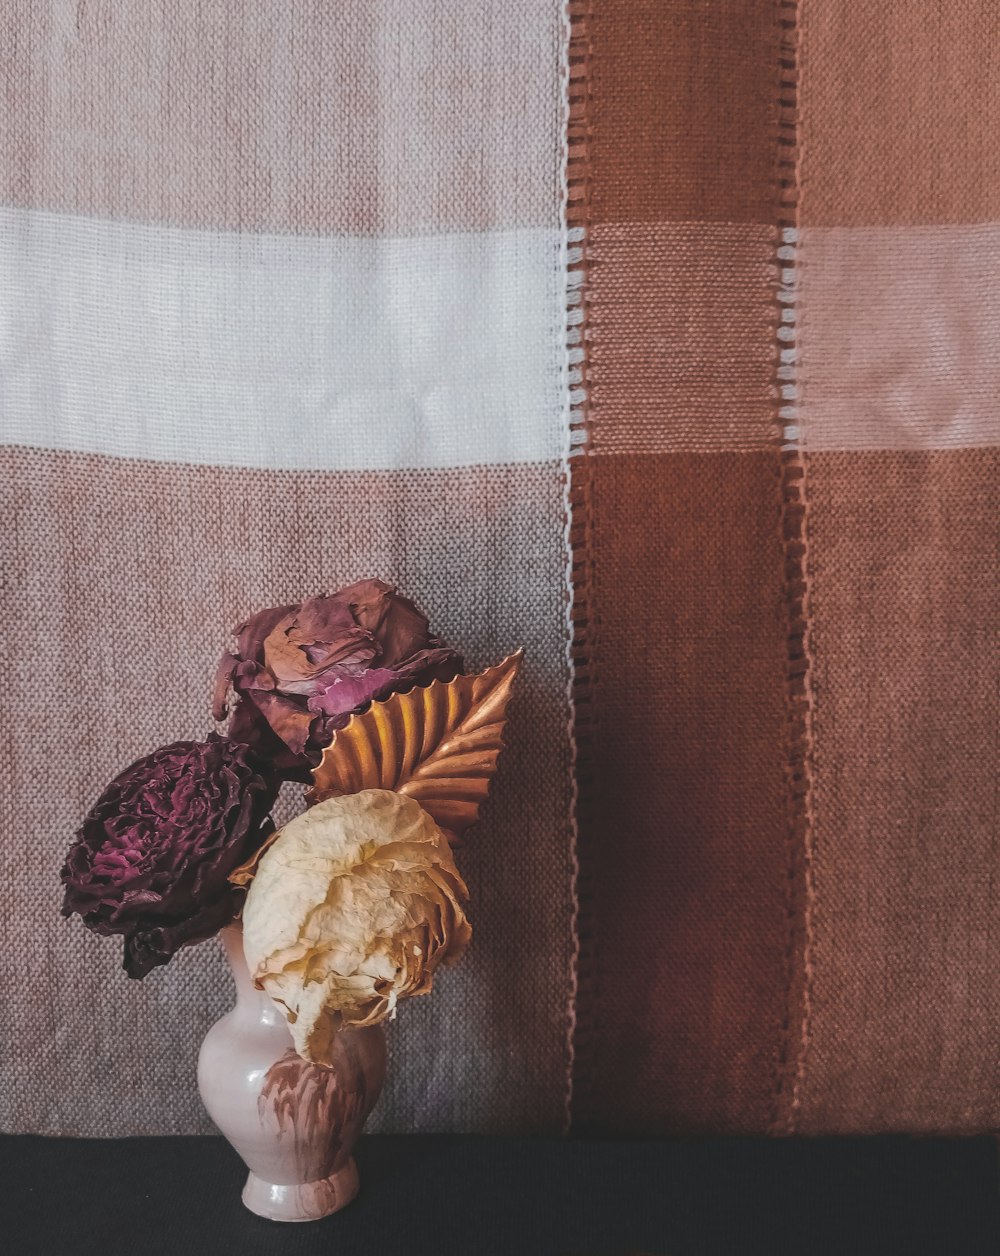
[
  {"x": 793, "y": 479},
  {"x": 578, "y": 475}
]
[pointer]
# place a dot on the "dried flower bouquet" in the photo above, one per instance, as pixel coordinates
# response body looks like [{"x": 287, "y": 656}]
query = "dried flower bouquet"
[{"x": 347, "y": 909}]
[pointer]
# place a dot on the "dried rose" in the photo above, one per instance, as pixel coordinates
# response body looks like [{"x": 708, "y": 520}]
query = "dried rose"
[
  {"x": 353, "y": 907},
  {"x": 153, "y": 856},
  {"x": 300, "y": 671}
]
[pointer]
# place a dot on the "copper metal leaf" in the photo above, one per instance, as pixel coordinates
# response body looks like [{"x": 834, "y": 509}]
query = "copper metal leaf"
[{"x": 439, "y": 745}]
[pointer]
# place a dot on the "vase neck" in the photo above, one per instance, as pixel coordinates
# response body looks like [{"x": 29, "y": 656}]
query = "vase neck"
[{"x": 249, "y": 1000}]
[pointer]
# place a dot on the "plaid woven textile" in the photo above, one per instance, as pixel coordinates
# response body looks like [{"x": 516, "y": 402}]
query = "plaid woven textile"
[{"x": 658, "y": 337}]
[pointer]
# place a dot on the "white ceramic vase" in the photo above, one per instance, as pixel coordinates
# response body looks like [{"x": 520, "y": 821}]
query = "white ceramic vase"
[{"x": 294, "y": 1124}]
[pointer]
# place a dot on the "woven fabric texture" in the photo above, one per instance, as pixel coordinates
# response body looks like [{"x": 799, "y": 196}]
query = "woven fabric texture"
[
  {"x": 788, "y": 552},
  {"x": 656, "y": 337},
  {"x": 283, "y": 307}
]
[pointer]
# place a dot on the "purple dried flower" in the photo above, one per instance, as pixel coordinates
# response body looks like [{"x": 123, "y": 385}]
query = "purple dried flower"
[
  {"x": 301, "y": 671},
  {"x": 151, "y": 860}
]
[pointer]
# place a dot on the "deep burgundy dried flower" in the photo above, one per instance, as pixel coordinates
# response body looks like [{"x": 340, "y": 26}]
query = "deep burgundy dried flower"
[
  {"x": 300, "y": 671},
  {"x": 152, "y": 859}
]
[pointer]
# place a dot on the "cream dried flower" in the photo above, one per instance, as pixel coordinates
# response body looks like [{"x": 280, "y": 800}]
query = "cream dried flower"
[{"x": 352, "y": 908}]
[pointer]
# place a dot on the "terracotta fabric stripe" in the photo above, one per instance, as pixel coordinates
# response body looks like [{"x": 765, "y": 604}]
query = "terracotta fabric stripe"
[
  {"x": 904, "y": 555},
  {"x": 686, "y": 919},
  {"x": 124, "y": 579},
  {"x": 899, "y": 113},
  {"x": 361, "y": 116},
  {"x": 685, "y": 992},
  {"x": 684, "y": 101},
  {"x": 896, "y": 407},
  {"x": 896, "y": 334},
  {"x": 681, "y": 336}
]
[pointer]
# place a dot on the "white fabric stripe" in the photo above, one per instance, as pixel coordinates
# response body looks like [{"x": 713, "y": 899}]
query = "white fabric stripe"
[
  {"x": 896, "y": 337},
  {"x": 281, "y": 351}
]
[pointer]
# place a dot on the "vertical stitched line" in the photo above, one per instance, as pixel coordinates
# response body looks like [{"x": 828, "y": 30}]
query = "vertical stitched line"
[
  {"x": 579, "y": 534},
  {"x": 793, "y": 480},
  {"x": 567, "y": 252}
]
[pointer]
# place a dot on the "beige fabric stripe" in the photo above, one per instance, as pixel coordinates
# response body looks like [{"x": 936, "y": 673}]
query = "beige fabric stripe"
[
  {"x": 899, "y": 112},
  {"x": 127, "y": 578},
  {"x": 682, "y": 326},
  {"x": 904, "y": 551},
  {"x": 896, "y": 335},
  {"x": 887, "y": 344},
  {"x": 360, "y": 116}
]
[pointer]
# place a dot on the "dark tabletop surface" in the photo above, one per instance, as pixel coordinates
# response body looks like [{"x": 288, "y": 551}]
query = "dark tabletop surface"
[{"x": 446, "y": 1195}]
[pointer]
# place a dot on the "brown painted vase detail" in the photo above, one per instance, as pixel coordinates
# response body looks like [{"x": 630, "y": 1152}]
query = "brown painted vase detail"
[{"x": 294, "y": 1124}]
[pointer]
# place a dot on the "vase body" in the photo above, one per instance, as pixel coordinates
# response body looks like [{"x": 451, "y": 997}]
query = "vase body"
[{"x": 293, "y": 1123}]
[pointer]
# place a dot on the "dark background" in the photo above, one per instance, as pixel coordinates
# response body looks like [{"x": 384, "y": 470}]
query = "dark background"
[{"x": 447, "y": 1195}]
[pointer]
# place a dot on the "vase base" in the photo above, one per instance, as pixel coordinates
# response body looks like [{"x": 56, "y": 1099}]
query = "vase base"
[{"x": 304, "y": 1201}]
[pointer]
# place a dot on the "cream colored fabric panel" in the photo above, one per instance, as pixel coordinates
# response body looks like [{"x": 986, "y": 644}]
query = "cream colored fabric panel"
[{"x": 340, "y": 353}]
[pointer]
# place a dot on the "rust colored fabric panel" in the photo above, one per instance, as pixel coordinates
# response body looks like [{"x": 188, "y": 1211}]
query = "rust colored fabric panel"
[
  {"x": 686, "y": 920},
  {"x": 682, "y": 1000},
  {"x": 904, "y": 553},
  {"x": 125, "y": 579},
  {"x": 684, "y": 109},
  {"x": 899, "y": 112},
  {"x": 682, "y": 336}
]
